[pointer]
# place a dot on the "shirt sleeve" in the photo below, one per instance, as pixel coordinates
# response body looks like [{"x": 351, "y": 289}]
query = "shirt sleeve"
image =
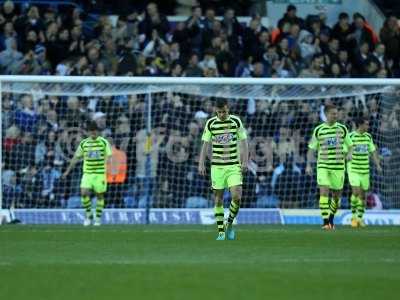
[
  {"x": 206, "y": 137},
  {"x": 242, "y": 135},
  {"x": 108, "y": 149},
  {"x": 371, "y": 146},
  {"x": 313, "y": 144},
  {"x": 79, "y": 151},
  {"x": 347, "y": 140}
]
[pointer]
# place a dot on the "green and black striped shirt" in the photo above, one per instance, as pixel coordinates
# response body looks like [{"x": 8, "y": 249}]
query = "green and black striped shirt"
[
  {"x": 363, "y": 145},
  {"x": 225, "y": 137},
  {"x": 331, "y": 143},
  {"x": 94, "y": 153}
]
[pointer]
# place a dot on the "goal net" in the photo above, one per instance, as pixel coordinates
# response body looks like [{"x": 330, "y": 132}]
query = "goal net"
[{"x": 155, "y": 127}]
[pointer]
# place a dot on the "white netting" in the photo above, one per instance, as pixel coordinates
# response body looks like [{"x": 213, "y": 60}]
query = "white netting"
[{"x": 42, "y": 123}]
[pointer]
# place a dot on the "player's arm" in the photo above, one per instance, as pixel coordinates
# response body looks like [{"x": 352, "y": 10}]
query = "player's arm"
[
  {"x": 349, "y": 145},
  {"x": 206, "y": 138},
  {"x": 312, "y": 147},
  {"x": 108, "y": 151},
  {"x": 202, "y": 159},
  {"x": 77, "y": 157},
  {"x": 375, "y": 157},
  {"x": 244, "y": 146},
  {"x": 377, "y": 161},
  {"x": 244, "y": 154}
]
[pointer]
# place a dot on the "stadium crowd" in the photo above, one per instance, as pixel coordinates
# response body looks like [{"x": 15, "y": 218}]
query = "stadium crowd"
[
  {"x": 62, "y": 41},
  {"x": 40, "y": 133}
]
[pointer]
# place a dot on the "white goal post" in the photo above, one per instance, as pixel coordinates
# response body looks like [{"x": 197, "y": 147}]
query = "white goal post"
[{"x": 164, "y": 117}]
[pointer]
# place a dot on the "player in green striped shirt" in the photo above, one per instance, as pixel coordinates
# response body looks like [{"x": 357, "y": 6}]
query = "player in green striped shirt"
[
  {"x": 95, "y": 151},
  {"x": 227, "y": 136},
  {"x": 331, "y": 140},
  {"x": 358, "y": 169}
]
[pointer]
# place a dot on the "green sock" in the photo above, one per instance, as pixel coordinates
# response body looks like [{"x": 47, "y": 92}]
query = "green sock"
[
  {"x": 99, "y": 207},
  {"x": 353, "y": 205},
  {"x": 87, "y": 205},
  {"x": 233, "y": 211},
  {"x": 324, "y": 207},
  {"x": 334, "y": 205},
  {"x": 360, "y": 208},
  {"x": 219, "y": 217}
]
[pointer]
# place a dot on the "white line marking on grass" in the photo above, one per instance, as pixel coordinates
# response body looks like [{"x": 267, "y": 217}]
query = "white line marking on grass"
[
  {"x": 188, "y": 261},
  {"x": 200, "y": 229}
]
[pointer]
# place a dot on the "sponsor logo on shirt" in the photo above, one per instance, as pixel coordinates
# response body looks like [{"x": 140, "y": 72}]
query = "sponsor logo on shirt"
[
  {"x": 361, "y": 148},
  {"x": 224, "y": 138}
]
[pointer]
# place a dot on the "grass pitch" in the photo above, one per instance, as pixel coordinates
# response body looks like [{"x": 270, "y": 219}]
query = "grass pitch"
[{"x": 185, "y": 262}]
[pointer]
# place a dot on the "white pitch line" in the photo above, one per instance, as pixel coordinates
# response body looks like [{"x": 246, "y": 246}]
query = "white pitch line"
[
  {"x": 139, "y": 261},
  {"x": 198, "y": 230}
]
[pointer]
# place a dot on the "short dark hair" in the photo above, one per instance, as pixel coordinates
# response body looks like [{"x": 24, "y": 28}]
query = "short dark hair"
[
  {"x": 343, "y": 15},
  {"x": 92, "y": 126},
  {"x": 360, "y": 120},
  {"x": 329, "y": 107},
  {"x": 221, "y": 103},
  {"x": 291, "y": 7}
]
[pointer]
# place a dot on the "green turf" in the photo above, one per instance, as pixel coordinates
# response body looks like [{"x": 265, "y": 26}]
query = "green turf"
[{"x": 185, "y": 262}]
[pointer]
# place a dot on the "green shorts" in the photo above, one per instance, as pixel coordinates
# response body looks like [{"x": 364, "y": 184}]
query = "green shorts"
[
  {"x": 359, "y": 180},
  {"x": 334, "y": 179},
  {"x": 226, "y": 177},
  {"x": 94, "y": 182}
]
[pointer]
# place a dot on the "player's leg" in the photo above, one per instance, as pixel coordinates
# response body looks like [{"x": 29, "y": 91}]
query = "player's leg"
[
  {"x": 236, "y": 193},
  {"x": 355, "y": 183},
  {"x": 336, "y": 178},
  {"x": 219, "y": 213},
  {"x": 218, "y": 185},
  {"x": 235, "y": 181},
  {"x": 334, "y": 206},
  {"x": 100, "y": 187},
  {"x": 86, "y": 187},
  {"x": 355, "y": 202},
  {"x": 323, "y": 185},
  {"x": 362, "y": 199}
]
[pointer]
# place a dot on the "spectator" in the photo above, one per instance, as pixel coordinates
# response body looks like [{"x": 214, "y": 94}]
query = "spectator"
[
  {"x": 154, "y": 20},
  {"x": 360, "y": 33},
  {"x": 74, "y": 116},
  {"x": 308, "y": 46},
  {"x": 316, "y": 68},
  {"x": 390, "y": 37},
  {"x": 77, "y": 42},
  {"x": 8, "y": 11},
  {"x": 342, "y": 31},
  {"x": 291, "y": 17},
  {"x": 22, "y": 155},
  {"x": 195, "y": 29},
  {"x": 145, "y": 175},
  {"x": 362, "y": 57},
  {"x": 116, "y": 176},
  {"x": 209, "y": 18},
  {"x": 154, "y": 45},
  {"x": 49, "y": 176},
  {"x": 31, "y": 185},
  {"x": 12, "y": 193},
  {"x": 8, "y": 36},
  {"x": 346, "y": 68},
  {"x": 232, "y": 29},
  {"x": 51, "y": 147},
  {"x": 26, "y": 118},
  {"x": 181, "y": 36},
  {"x": 9, "y": 57},
  {"x": 379, "y": 55},
  {"x": 7, "y": 113}
]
